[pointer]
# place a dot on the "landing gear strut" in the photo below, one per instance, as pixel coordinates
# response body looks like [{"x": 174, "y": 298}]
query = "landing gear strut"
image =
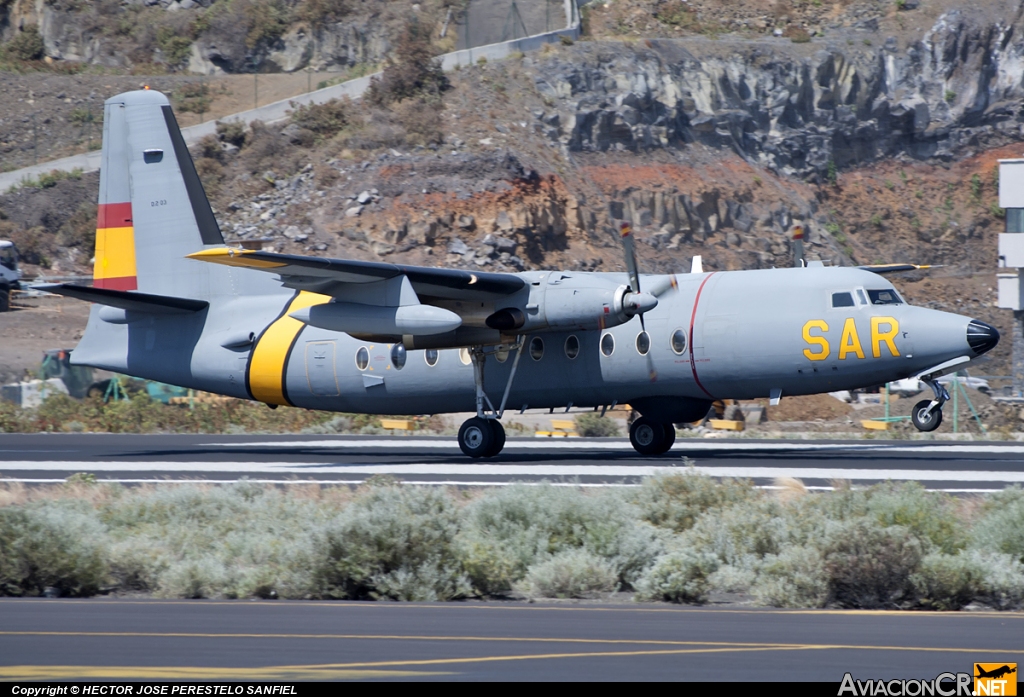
[
  {"x": 927, "y": 414},
  {"x": 651, "y": 437},
  {"x": 483, "y": 435}
]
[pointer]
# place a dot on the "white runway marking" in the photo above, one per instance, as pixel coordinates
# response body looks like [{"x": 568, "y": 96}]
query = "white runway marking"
[
  {"x": 426, "y": 482},
  {"x": 681, "y": 446},
  {"x": 299, "y": 469}
]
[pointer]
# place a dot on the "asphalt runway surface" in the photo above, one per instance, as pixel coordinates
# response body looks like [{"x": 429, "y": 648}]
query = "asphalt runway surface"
[
  {"x": 961, "y": 467},
  {"x": 275, "y": 640}
]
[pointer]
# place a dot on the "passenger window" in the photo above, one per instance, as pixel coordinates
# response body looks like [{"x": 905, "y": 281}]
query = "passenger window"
[
  {"x": 398, "y": 356},
  {"x": 679, "y": 341},
  {"x": 842, "y": 300},
  {"x": 572, "y": 347},
  {"x": 536, "y": 348},
  {"x": 362, "y": 358},
  {"x": 430, "y": 356},
  {"x": 643, "y": 343},
  {"x": 884, "y": 297},
  {"x": 607, "y": 344}
]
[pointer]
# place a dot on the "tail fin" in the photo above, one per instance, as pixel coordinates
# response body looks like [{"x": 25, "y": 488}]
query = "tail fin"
[{"x": 152, "y": 207}]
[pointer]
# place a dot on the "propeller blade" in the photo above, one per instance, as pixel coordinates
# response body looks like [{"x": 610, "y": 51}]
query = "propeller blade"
[
  {"x": 629, "y": 246},
  {"x": 662, "y": 284}
]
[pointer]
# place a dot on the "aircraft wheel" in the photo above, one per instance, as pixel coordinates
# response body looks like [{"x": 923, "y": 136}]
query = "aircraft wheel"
[
  {"x": 647, "y": 437},
  {"x": 498, "y": 433},
  {"x": 476, "y": 437},
  {"x": 924, "y": 421},
  {"x": 670, "y": 437}
]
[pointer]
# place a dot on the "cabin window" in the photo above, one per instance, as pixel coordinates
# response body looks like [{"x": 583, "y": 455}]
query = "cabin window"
[
  {"x": 842, "y": 300},
  {"x": 464, "y": 356},
  {"x": 362, "y": 358},
  {"x": 607, "y": 344},
  {"x": 884, "y": 297},
  {"x": 643, "y": 343},
  {"x": 398, "y": 356},
  {"x": 572, "y": 347},
  {"x": 430, "y": 356},
  {"x": 536, "y": 348},
  {"x": 679, "y": 341}
]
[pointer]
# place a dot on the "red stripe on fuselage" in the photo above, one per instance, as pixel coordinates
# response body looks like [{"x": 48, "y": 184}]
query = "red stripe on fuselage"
[
  {"x": 693, "y": 316},
  {"x": 114, "y": 215},
  {"x": 122, "y": 283}
]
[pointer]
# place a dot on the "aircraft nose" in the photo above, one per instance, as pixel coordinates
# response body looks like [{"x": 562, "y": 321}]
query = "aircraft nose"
[{"x": 981, "y": 337}]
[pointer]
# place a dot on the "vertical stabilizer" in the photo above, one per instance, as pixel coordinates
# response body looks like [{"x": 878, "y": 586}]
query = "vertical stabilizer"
[{"x": 152, "y": 207}]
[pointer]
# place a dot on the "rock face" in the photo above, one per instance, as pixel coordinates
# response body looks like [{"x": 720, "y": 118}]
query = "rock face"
[{"x": 958, "y": 88}]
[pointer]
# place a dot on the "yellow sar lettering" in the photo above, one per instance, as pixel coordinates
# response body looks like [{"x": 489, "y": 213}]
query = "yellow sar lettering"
[{"x": 819, "y": 348}]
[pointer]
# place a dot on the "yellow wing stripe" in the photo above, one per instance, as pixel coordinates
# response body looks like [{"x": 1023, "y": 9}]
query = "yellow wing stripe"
[
  {"x": 270, "y": 356},
  {"x": 229, "y": 256}
]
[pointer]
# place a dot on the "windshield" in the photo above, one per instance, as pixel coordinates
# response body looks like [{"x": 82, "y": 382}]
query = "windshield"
[
  {"x": 8, "y": 258},
  {"x": 884, "y": 297}
]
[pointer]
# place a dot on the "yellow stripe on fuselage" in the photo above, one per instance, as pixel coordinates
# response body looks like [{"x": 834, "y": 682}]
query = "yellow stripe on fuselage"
[
  {"x": 115, "y": 252},
  {"x": 267, "y": 365}
]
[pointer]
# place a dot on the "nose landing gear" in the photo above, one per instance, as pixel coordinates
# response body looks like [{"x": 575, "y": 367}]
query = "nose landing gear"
[{"x": 927, "y": 414}]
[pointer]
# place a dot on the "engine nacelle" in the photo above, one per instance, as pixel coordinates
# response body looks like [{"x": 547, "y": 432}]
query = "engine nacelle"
[
  {"x": 356, "y": 318},
  {"x": 569, "y": 307}
]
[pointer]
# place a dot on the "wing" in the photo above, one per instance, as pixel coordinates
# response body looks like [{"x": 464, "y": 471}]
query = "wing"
[
  {"x": 332, "y": 276},
  {"x": 896, "y": 268}
]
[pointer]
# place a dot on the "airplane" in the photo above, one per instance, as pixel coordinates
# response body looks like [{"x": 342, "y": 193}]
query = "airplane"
[
  {"x": 175, "y": 304},
  {"x": 995, "y": 672}
]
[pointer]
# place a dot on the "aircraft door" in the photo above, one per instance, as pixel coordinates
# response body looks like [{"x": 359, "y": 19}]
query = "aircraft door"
[{"x": 320, "y": 371}]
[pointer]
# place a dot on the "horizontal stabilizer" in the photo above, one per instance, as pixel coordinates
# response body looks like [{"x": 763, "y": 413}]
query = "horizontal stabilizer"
[
  {"x": 125, "y": 300},
  {"x": 896, "y": 268}
]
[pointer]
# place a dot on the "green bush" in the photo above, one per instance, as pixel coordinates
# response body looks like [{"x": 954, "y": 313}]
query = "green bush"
[
  {"x": 676, "y": 500},
  {"x": 1001, "y": 525},
  {"x": 678, "y": 577},
  {"x": 320, "y": 13},
  {"x": 515, "y": 527},
  {"x": 43, "y": 547},
  {"x": 793, "y": 578},
  {"x": 392, "y": 542},
  {"x": 945, "y": 582},
  {"x": 591, "y": 425},
  {"x": 27, "y": 45},
  {"x": 574, "y": 573}
]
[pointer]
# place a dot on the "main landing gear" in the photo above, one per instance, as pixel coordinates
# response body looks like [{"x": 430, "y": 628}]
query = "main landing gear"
[
  {"x": 651, "y": 437},
  {"x": 483, "y": 435},
  {"x": 927, "y": 414}
]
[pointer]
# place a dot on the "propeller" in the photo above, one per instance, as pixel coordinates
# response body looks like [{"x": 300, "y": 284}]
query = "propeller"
[{"x": 635, "y": 301}]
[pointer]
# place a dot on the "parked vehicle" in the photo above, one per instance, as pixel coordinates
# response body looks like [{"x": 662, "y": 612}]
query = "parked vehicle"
[
  {"x": 912, "y": 386},
  {"x": 10, "y": 274}
]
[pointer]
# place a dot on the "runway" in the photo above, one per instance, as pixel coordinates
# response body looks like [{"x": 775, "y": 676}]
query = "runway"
[
  {"x": 282, "y": 641},
  {"x": 961, "y": 467}
]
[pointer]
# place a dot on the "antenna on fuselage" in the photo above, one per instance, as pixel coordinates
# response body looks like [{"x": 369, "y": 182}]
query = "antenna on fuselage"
[{"x": 798, "y": 245}]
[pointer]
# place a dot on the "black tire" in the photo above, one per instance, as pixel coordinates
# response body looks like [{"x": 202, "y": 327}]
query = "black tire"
[
  {"x": 5, "y": 300},
  {"x": 670, "y": 437},
  {"x": 923, "y": 423},
  {"x": 498, "y": 433},
  {"x": 476, "y": 437},
  {"x": 647, "y": 436}
]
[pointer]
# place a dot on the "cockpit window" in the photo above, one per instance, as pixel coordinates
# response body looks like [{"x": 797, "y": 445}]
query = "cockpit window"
[
  {"x": 842, "y": 300},
  {"x": 884, "y": 297},
  {"x": 8, "y": 258},
  {"x": 863, "y": 298}
]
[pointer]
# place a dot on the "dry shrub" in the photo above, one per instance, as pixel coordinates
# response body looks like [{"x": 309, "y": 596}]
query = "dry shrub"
[
  {"x": 27, "y": 44},
  {"x": 591, "y": 425},
  {"x": 421, "y": 120},
  {"x": 325, "y": 120},
  {"x": 211, "y": 174},
  {"x": 80, "y": 229},
  {"x": 869, "y": 566},
  {"x": 675, "y": 501},
  {"x": 679, "y": 577},
  {"x": 412, "y": 73},
  {"x": 320, "y": 13},
  {"x": 231, "y": 132},
  {"x": 35, "y": 245}
]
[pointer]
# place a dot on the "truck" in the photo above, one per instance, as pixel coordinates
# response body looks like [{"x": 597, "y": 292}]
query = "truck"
[{"x": 10, "y": 274}]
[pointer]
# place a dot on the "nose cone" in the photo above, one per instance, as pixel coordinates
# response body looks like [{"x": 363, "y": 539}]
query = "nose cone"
[{"x": 981, "y": 337}]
